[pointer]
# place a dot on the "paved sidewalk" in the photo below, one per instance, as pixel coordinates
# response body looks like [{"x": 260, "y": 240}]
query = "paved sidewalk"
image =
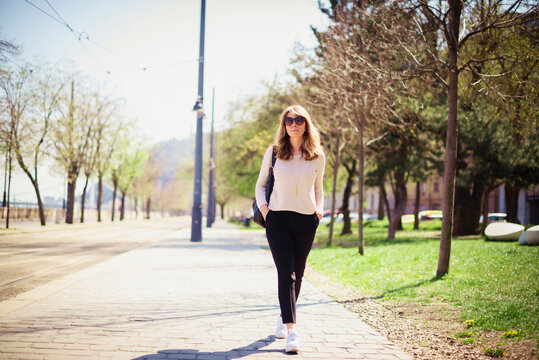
[{"x": 175, "y": 299}]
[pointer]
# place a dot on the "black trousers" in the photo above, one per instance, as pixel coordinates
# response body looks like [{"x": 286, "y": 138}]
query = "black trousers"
[{"x": 290, "y": 237}]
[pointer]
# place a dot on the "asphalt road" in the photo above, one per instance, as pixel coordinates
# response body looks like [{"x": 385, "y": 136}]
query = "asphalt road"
[{"x": 28, "y": 260}]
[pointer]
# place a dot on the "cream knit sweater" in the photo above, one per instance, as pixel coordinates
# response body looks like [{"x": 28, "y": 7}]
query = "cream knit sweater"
[{"x": 297, "y": 187}]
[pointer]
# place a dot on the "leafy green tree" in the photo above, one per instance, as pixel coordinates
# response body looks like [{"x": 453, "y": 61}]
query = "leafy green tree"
[
  {"x": 496, "y": 144},
  {"x": 31, "y": 95},
  {"x": 144, "y": 185},
  {"x": 13, "y": 104},
  {"x": 72, "y": 136},
  {"x": 93, "y": 160},
  {"x": 242, "y": 146},
  {"x": 106, "y": 134},
  {"x": 119, "y": 166},
  {"x": 357, "y": 55},
  {"x": 441, "y": 27},
  {"x": 133, "y": 166},
  {"x": 401, "y": 154}
]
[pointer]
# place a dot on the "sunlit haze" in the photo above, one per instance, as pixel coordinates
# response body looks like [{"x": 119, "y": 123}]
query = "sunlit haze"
[{"x": 146, "y": 51}]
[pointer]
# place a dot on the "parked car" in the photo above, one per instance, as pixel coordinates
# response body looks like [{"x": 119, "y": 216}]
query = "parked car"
[
  {"x": 426, "y": 215},
  {"x": 495, "y": 217}
]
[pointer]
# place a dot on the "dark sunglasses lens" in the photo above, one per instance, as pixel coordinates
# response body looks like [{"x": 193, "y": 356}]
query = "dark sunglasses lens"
[{"x": 289, "y": 121}]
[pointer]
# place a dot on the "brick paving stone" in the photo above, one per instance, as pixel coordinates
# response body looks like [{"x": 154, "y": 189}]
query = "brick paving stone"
[
  {"x": 23, "y": 356},
  {"x": 214, "y": 300}
]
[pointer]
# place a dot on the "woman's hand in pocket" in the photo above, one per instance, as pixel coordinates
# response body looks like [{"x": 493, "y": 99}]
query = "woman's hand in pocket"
[{"x": 264, "y": 209}]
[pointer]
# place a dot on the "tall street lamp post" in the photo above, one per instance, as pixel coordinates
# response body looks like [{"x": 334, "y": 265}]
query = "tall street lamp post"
[
  {"x": 210, "y": 214},
  {"x": 196, "y": 215}
]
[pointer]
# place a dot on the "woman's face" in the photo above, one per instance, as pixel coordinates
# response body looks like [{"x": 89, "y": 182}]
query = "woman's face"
[{"x": 291, "y": 123}]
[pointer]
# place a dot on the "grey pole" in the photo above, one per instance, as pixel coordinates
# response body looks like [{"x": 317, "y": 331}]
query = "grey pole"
[
  {"x": 196, "y": 215},
  {"x": 5, "y": 183},
  {"x": 211, "y": 191},
  {"x": 212, "y": 209}
]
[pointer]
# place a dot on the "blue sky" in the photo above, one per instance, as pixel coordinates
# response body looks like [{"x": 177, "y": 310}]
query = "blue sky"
[{"x": 247, "y": 42}]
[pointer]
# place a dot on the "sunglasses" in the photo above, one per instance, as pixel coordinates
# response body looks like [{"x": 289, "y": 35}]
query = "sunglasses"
[{"x": 288, "y": 121}]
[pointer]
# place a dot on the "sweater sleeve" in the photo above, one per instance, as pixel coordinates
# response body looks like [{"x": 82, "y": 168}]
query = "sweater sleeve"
[
  {"x": 318, "y": 184},
  {"x": 260, "y": 189}
]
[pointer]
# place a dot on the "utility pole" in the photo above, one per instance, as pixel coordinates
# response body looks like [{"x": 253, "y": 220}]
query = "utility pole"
[
  {"x": 5, "y": 182},
  {"x": 196, "y": 214},
  {"x": 210, "y": 214}
]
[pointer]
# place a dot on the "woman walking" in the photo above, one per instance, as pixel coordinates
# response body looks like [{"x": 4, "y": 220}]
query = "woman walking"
[{"x": 294, "y": 210}]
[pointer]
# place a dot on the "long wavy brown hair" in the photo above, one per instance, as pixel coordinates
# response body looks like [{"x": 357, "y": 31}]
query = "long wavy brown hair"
[{"x": 310, "y": 145}]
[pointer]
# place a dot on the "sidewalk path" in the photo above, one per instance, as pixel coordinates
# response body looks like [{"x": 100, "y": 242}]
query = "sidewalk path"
[{"x": 175, "y": 299}]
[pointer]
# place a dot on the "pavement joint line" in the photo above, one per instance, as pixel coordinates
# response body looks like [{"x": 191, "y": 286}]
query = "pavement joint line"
[
  {"x": 213, "y": 300},
  {"x": 57, "y": 285}
]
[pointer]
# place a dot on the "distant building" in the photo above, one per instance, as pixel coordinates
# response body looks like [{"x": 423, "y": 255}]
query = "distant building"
[{"x": 432, "y": 196}]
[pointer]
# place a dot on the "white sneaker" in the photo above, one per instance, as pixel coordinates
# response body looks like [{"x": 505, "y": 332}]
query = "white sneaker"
[
  {"x": 281, "y": 331},
  {"x": 292, "y": 342}
]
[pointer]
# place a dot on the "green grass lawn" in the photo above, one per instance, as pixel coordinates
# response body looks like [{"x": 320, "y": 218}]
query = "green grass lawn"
[{"x": 494, "y": 283}]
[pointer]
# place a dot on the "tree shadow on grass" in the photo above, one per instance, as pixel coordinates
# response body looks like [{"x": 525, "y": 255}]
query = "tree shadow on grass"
[
  {"x": 256, "y": 347},
  {"x": 373, "y": 242},
  {"x": 392, "y": 291}
]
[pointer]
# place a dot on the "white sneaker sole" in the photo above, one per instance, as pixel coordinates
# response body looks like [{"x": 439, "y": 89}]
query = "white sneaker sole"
[{"x": 293, "y": 349}]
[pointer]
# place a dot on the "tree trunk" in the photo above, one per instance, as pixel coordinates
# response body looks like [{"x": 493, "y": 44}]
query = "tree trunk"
[
  {"x": 222, "y": 206},
  {"x": 400, "y": 204},
  {"x": 467, "y": 210},
  {"x": 345, "y": 211},
  {"x": 455, "y": 9},
  {"x": 148, "y": 208},
  {"x": 122, "y": 207},
  {"x": 511, "y": 203},
  {"x": 386, "y": 201},
  {"x": 334, "y": 191},
  {"x": 485, "y": 206},
  {"x": 83, "y": 199},
  {"x": 114, "y": 200},
  {"x": 136, "y": 208},
  {"x": 35, "y": 184},
  {"x": 70, "y": 206},
  {"x": 361, "y": 182},
  {"x": 39, "y": 203},
  {"x": 381, "y": 199},
  {"x": 8, "y": 189},
  {"x": 71, "y": 184},
  {"x": 417, "y": 203},
  {"x": 4, "y": 201},
  {"x": 99, "y": 196}
]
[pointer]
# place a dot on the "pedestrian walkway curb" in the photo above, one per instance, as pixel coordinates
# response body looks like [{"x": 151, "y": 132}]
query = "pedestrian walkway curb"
[
  {"x": 174, "y": 299},
  {"x": 27, "y": 227}
]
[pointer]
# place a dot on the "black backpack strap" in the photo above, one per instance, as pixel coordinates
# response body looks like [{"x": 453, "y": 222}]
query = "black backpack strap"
[{"x": 273, "y": 157}]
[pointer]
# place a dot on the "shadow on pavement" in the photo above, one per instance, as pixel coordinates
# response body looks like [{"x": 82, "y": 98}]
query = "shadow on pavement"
[
  {"x": 70, "y": 322},
  {"x": 230, "y": 244},
  {"x": 256, "y": 347}
]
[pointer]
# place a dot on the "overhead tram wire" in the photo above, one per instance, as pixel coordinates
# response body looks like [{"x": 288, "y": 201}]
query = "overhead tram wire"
[
  {"x": 80, "y": 36},
  {"x": 46, "y": 13},
  {"x": 56, "y": 12},
  {"x": 76, "y": 34},
  {"x": 85, "y": 36}
]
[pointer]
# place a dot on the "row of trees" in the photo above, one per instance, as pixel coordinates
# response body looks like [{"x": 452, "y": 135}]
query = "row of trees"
[
  {"x": 47, "y": 114},
  {"x": 391, "y": 85}
]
